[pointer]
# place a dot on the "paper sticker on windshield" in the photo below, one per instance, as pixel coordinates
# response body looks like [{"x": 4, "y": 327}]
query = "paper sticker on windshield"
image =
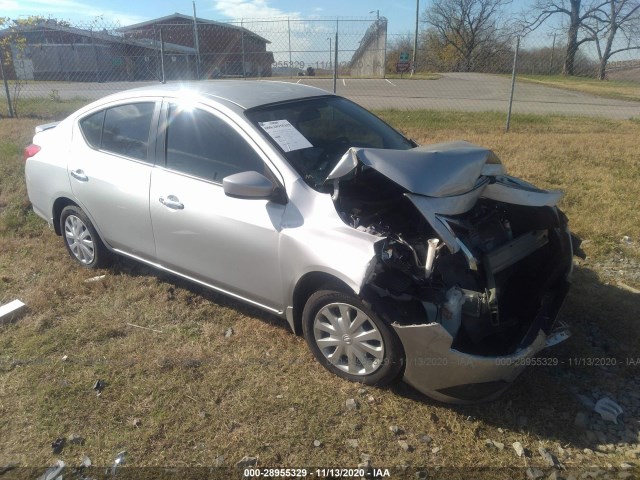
[{"x": 287, "y": 136}]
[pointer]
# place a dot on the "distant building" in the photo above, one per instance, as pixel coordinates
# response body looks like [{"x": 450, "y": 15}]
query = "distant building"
[
  {"x": 224, "y": 50},
  {"x": 52, "y": 50}
]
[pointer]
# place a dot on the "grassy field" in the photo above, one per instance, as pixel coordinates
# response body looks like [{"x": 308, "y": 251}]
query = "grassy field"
[
  {"x": 184, "y": 394},
  {"x": 43, "y": 108},
  {"x": 622, "y": 90}
]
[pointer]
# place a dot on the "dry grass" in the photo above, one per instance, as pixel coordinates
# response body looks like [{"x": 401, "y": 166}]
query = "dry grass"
[
  {"x": 51, "y": 107},
  {"x": 199, "y": 395},
  {"x": 620, "y": 89}
]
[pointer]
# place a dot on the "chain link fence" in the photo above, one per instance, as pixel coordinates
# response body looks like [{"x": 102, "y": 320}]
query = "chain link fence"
[{"x": 48, "y": 62}]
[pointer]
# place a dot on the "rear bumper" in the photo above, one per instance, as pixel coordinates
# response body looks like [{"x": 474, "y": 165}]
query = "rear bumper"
[{"x": 439, "y": 371}]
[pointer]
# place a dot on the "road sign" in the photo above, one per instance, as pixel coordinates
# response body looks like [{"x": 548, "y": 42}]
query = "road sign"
[
  {"x": 402, "y": 67},
  {"x": 404, "y": 57}
]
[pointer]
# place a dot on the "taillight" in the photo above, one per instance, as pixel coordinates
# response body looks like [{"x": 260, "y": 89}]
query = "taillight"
[{"x": 30, "y": 151}]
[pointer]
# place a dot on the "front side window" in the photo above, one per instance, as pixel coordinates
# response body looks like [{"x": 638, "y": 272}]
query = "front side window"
[
  {"x": 123, "y": 130},
  {"x": 205, "y": 146}
]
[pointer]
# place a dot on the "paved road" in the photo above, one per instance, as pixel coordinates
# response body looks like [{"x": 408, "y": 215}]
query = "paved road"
[
  {"x": 453, "y": 91},
  {"x": 477, "y": 93}
]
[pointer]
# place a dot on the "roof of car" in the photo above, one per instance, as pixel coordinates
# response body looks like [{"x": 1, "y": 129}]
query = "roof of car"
[{"x": 243, "y": 93}]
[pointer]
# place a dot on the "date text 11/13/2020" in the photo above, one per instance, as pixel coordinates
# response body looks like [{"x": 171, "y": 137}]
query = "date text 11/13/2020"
[
  {"x": 535, "y": 361},
  {"x": 317, "y": 65},
  {"x": 316, "y": 472}
]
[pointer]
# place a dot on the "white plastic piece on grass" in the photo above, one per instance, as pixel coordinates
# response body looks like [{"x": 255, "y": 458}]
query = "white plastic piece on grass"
[
  {"x": 608, "y": 409},
  {"x": 94, "y": 279},
  {"x": 11, "y": 310}
]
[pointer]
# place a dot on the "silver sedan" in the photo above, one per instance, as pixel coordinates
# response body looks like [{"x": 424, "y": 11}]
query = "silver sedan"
[{"x": 395, "y": 261}]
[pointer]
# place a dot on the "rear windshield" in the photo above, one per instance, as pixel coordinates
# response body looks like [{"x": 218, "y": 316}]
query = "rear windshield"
[{"x": 314, "y": 133}]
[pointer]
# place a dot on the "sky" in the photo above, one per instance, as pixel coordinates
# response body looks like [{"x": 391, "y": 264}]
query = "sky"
[{"x": 400, "y": 13}]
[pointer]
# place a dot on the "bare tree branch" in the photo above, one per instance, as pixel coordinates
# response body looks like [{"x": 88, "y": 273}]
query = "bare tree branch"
[
  {"x": 611, "y": 18},
  {"x": 578, "y": 13},
  {"x": 469, "y": 27}
]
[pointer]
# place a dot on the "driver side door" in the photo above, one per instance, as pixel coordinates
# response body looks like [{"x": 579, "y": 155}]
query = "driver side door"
[{"x": 228, "y": 243}]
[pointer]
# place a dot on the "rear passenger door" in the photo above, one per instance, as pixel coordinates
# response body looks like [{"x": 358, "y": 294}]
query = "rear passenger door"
[
  {"x": 110, "y": 169},
  {"x": 228, "y": 243}
]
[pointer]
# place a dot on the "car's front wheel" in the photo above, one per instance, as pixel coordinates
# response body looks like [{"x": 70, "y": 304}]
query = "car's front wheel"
[
  {"x": 81, "y": 239},
  {"x": 349, "y": 339}
]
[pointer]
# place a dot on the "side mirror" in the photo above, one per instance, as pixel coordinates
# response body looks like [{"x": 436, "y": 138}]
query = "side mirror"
[{"x": 249, "y": 185}]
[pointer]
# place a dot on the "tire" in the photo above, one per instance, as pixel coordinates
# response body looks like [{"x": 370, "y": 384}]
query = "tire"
[
  {"x": 81, "y": 239},
  {"x": 366, "y": 350}
]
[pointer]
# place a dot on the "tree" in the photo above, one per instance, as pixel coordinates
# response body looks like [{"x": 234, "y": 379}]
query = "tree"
[
  {"x": 13, "y": 49},
  {"x": 469, "y": 28},
  {"x": 578, "y": 12},
  {"x": 607, "y": 22}
]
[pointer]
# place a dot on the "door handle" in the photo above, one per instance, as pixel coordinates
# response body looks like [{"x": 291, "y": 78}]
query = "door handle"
[
  {"x": 79, "y": 175},
  {"x": 171, "y": 202}
]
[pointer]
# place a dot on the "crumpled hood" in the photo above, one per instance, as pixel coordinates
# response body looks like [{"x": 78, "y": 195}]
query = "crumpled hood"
[{"x": 439, "y": 170}]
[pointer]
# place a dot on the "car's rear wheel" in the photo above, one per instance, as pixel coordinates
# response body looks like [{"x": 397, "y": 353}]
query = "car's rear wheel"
[
  {"x": 81, "y": 239},
  {"x": 349, "y": 339}
]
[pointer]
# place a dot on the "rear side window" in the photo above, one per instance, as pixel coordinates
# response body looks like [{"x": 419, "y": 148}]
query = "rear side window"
[
  {"x": 203, "y": 145},
  {"x": 126, "y": 129},
  {"x": 92, "y": 128},
  {"x": 123, "y": 130}
]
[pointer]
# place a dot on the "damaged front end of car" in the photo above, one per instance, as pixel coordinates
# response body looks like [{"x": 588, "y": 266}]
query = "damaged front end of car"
[{"x": 472, "y": 265}]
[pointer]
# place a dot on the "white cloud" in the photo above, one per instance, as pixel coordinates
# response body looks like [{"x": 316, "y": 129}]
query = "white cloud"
[
  {"x": 250, "y": 9},
  {"x": 66, "y": 10}
]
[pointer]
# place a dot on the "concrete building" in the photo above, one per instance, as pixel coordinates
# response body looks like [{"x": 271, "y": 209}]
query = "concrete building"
[{"x": 370, "y": 57}]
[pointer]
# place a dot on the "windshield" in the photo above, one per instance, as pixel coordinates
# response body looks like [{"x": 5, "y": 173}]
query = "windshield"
[{"x": 314, "y": 133}]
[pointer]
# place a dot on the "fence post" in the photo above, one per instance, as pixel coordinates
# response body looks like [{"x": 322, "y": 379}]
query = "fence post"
[
  {"x": 96, "y": 57},
  {"x": 415, "y": 40},
  {"x": 162, "y": 57},
  {"x": 384, "y": 61},
  {"x": 244, "y": 73},
  {"x": 513, "y": 83},
  {"x": 290, "y": 64},
  {"x": 553, "y": 51},
  {"x": 196, "y": 40},
  {"x": 6, "y": 85},
  {"x": 335, "y": 60}
]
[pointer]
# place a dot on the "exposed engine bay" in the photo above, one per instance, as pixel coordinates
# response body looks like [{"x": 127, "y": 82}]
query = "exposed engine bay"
[{"x": 486, "y": 286}]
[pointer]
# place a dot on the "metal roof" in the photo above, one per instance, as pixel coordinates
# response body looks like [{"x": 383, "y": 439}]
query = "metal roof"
[
  {"x": 100, "y": 35},
  {"x": 181, "y": 16}
]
